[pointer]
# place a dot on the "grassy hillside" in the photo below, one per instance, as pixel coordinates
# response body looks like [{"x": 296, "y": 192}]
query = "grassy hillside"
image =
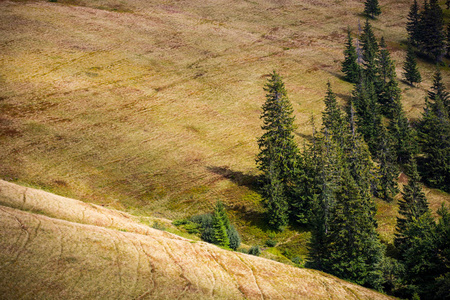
[
  {"x": 152, "y": 107},
  {"x": 107, "y": 254}
]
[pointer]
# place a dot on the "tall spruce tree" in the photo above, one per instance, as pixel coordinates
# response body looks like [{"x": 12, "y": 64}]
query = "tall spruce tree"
[
  {"x": 403, "y": 135},
  {"x": 412, "y": 26},
  {"x": 350, "y": 65},
  {"x": 219, "y": 228},
  {"x": 355, "y": 251},
  {"x": 372, "y": 8},
  {"x": 278, "y": 157},
  {"x": 369, "y": 51},
  {"x": 365, "y": 102},
  {"x": 438, "y": 90},
  {"x": 432, "y": 36},
  {"x": 411, "y": 207},
  {"x": 386, "y": 85},
  {"x": 412, "y": 74},
  {"x": 434, "y": 137},
  {"x": 275, "y": 200},
  {"x": 387, "y": 169}
]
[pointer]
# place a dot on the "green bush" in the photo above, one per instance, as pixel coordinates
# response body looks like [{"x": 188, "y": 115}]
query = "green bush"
[
  {"x": 208, "y": 235},
  {"x": 204, "y": 220},
  {"x": 192, "y": 228},
  {"x": 180, "y": 222},
  {"x": 271, "y": 243},
  {"x": 233, "y": 236},
  {"x": 254, "y": 250}
]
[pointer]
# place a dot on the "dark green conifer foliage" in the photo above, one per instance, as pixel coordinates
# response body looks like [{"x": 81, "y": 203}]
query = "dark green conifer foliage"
[
  {"x": 412, "y": 206},
  {"x": 412, "y": 26},
  {"x": 220, "y": 208},
  {"x": 387, "y": 169},
  {"x": 403, "y": 135},
  {"x": 434, "y": 137},
  {"x": 412, "y": 74},
  {"x": 220, "y": 231},
  {"x": 386, "y": 85},
  {"x": 233, "y": 236},
  {"x": 372, "y": 8},
  {"x": 355, "y": 251},
  {"x": 333, "y": 119},
  {"x": 438, "y": 90},
  {"x": 369, "y": 51},
  {"x": 350, "y": 66},
  {"x": 368, "y": 117},
  {"x": 275, "y": 200},
  {"x": 278, "y": 157},
  {"x": 432, "y": 36}
]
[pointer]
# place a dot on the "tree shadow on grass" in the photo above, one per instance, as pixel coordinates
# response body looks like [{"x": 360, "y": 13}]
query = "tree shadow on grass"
[{"x": 238, "y": 177}]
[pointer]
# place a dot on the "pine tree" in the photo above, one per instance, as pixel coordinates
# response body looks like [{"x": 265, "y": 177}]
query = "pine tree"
[
  {"x": 220, "y": 231},
  {"x": 365, "y": 102},
  {"x": 412, "y": 26},
  {"x": 355, "y": 251},
  {"x": 412, "y": 206},
  {"x": 432, "y": 36},
  {"x": 386, "y": 85},
  {"x": 332, "y": 117},
  {"x": 403, "y": 135},
  {"x": 438, "y": 90},
  {"x": 275, "y": 200},
  {"x": 372, "y": 8},
  {"x": 350, "y": 66},
  {"x": 388, "y": 171},
  {"x": 434, "y": 137},
  {"x": 278, "y": 157},
  {"x": 220, "y": 208},
  {"x": 412, "y": 74},
  {"x": 369, "y": 51}
]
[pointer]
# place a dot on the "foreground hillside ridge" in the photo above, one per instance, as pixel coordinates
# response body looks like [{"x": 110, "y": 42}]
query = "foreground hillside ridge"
[{"x": 58, "y": 256}]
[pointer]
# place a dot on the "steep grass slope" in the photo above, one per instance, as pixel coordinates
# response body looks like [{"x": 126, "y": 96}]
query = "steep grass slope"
[
  {"x": 153, "y": 106},
  {"x": 52, "y": 257}
]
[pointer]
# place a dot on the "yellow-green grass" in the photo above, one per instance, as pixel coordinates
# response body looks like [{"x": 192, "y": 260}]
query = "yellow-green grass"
[{"x": 153, "y": 107}]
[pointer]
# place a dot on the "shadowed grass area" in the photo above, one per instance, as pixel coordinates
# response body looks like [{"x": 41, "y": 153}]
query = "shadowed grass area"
[{"x": 153, "y": 107}]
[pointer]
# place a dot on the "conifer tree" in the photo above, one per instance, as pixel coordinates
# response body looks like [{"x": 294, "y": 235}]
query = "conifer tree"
[
  {"x": 432, "y": 36},
  {"x": 220, "y": 231},
  {"x": 372, "y": 8},
  {"x": 355, "y": 251},
  {"x": 365, "y": 102},
  {"x": 403, "y": 135},
  {"x": 275, "y": 200},
  {"x": 434, "y": 137},
  {"x": 438, "y": 90},
  {"x": 388, "y": 170},
  {"x": 412, "y": 74},
  {"x": 350, "y": 65},
  {"x": 222, "y": 213},
  {"x": 278, "y": 157},
  {"x": 332, "y": 117},
  {"x": 369, "y": 51},
  {"x": 386, "y": 85},
  {"x": 412, "y": 206},
  {"x": 412, "y": 26}
]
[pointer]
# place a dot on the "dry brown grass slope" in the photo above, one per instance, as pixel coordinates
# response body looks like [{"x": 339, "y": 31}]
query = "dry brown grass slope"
[
  {"x": 145, "y": 106},
  {"x": 46, "y": 257}
]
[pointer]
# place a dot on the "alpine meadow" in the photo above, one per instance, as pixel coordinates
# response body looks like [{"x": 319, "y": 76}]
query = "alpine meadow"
[{"x": 225, "y": 149}]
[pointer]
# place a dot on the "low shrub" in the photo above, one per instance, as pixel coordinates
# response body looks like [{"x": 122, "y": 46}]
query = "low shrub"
[{"x": 254, "y": 250}]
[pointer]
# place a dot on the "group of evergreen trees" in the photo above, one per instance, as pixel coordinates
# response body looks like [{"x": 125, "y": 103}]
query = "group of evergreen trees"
[
  {"x": 426, "y": 29},
  {"x": 357, "y": 155},
  {"x": 216, "y": 228}
]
